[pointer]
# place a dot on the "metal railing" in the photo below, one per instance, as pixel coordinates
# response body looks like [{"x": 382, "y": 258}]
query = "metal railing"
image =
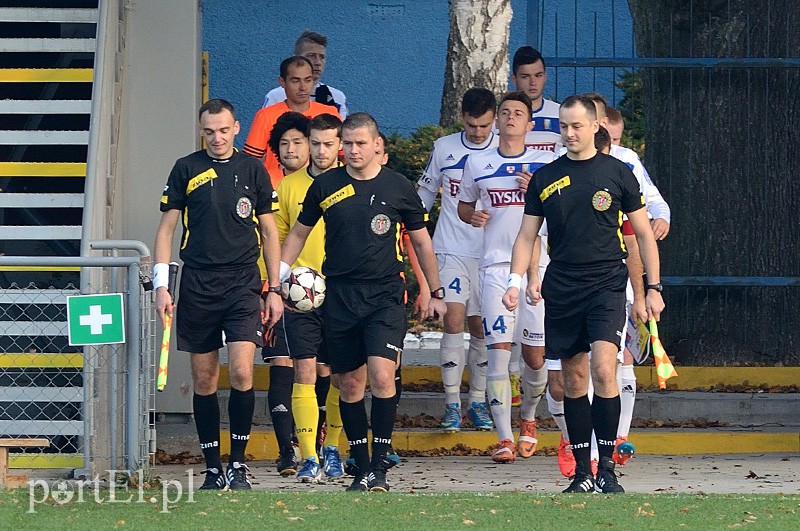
[{"x": 95, "y": 403}]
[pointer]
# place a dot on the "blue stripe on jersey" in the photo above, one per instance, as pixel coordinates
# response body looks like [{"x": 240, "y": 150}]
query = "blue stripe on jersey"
[
  {"x": 628, "y": 164},
  {"x": 511, "y": 168},
  {"x": 546, "y": 124},
  {"x": 458, "y": 165}
]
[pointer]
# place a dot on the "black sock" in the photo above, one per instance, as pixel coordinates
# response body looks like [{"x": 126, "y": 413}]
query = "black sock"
[
  {"x": 206, "y": 419},
  {"x": 321, "y": 389},
  {"x": 578, "y": 415},
  {"x": 279, "y": 400},
  {"x": 384, "y": 411},
  {"x": 354, "y": 419},
  {"x": 605, "y": 419},
  {"x": 240, "y": 413},
  {"x": 398, "y": 384}
]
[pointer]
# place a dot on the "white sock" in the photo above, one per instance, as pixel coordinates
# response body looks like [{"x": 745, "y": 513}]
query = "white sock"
[
  {"x": 498, "y": 390},
  {"x": 556, "y": 408},
  {"x": 514, "y": 366},
  {"x": 627, "y": 399},
  {"x": 477, "y": 361},
  {"x": 534, "y": 383},
  {"x": 452, "y": 358}
]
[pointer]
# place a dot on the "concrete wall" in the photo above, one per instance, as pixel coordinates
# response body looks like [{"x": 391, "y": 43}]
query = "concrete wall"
[
  {"x": 160, "y": 98},
  {"x": 389, "y": 56}
]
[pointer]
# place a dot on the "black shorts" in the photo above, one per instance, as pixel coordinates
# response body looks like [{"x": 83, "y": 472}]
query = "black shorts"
[
  {"x": 363, "y": 319},
  {"x": 213, "y": 302},
  {"x": 297, "y": 336},
  {"x": 582, "y": 307}
]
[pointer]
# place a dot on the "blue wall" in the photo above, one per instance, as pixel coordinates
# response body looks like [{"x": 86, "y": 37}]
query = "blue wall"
[{"x": 389, "y": 56}]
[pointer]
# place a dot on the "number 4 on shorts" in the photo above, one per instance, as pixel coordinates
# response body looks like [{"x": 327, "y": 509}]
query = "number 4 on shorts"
[{"x": 455, "y": 285}]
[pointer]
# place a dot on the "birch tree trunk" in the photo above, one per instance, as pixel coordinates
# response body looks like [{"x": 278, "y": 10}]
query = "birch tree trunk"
[{"x": 477, "y": 52}]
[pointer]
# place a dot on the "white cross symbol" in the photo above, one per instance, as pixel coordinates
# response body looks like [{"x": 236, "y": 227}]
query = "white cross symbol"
[{"x": 96, "y": 319}]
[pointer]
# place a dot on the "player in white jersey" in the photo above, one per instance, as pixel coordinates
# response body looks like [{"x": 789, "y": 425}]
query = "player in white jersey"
[
  {"x": 458, "y": 247},
  {"x": 529, "y": 74},
  {"x": 313, "y": 46},
  {"x": 498, "y": 178}
]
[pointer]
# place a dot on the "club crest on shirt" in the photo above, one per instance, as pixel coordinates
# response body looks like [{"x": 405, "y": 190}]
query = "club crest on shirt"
[
  {"x": 601, "y": 200},
  {"x": 244, "y": 208},
  {"x": 380, "y": 224}
]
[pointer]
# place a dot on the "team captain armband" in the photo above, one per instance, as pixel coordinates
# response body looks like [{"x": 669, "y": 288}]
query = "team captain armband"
[{"x": 627, "y": 228}]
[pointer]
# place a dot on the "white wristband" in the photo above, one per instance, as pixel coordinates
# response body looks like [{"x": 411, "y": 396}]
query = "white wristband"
[
  {"x": 514, "y": 281},
  {"x": 285, "y": 271},
  {"x": 160, "y": 276}
]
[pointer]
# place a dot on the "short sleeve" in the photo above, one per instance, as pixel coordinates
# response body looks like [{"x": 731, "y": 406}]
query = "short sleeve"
[
  {"x": 533, "y": 202},
  {"x": 431, "y": 178},
  {"x": 267, "y": 198},
  {"x": 412, "y": 211},
  {"x": 468, "y": 191},
  {"x": 312, "y": 210},
  {"x": 174, "y": 195},
  {"x": 632, "y": 198}
]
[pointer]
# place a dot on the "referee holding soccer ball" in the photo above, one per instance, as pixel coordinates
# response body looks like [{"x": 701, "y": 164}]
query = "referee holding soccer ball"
[{"x": 363, "y": 205}]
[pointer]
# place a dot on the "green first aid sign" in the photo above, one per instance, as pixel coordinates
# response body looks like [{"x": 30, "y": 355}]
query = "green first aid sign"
[{"x": 95, "y": 319}]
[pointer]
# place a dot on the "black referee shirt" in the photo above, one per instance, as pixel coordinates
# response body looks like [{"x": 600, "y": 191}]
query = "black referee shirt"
[
  {"x": 220, "y": 200},
  {"x": 362, "y": 222},
  {"x": 583, "y": 202}
]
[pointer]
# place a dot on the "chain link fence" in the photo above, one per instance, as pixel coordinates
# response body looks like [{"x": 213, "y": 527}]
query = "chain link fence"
[{"x": 94, "y": 404}]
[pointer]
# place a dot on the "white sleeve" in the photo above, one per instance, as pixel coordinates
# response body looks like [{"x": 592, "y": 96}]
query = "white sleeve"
[
  {"x": 274, "y": 96},
  {"x": 343, "y": 107},
  {"x": 427, "y": 196},
  {"x": 656, "y": 205},
  {"x": 468, "y": 191},
  {"x": 431, "y": 177}
]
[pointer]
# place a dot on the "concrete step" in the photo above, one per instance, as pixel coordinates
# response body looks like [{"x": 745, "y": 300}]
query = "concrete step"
[
  {"x": 735, "y": 410},
  {"x": 175, "y": 438},
  {"x": 420, "y": 368}
]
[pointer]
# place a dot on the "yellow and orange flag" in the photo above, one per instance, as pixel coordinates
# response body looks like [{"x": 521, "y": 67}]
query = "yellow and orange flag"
[{"x": 664, "y": 368}]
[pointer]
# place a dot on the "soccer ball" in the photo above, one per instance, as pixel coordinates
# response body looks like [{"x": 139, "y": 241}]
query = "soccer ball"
[{"x": 304, "y": 290}]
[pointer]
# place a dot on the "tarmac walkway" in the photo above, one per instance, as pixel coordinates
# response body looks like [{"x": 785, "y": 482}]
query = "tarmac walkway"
[{"x": 648, "y": 474}]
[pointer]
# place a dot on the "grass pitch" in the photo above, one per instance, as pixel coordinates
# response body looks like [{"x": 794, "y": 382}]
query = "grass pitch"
[{"x": 310, "y": 510}]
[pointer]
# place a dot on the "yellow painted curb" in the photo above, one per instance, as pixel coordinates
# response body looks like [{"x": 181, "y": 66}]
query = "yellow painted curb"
[
  {"x": 45, "y": 461},
  {"x": 263, "y": 445},
  {"x": 688, "y": 379}
]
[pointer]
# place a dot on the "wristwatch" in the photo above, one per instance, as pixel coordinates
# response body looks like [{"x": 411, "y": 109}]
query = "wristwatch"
[
  {"x": 658, "y": 287},
  {"x": 438, "y": 293},
  {"x": 271, "y": 289}
]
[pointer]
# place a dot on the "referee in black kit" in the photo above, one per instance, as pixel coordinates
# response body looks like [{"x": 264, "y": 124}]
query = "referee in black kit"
[
  {"x": 225, "y": 201},
  {"x": 583, "y": 195},
  {"x": 363, "y": 205}
]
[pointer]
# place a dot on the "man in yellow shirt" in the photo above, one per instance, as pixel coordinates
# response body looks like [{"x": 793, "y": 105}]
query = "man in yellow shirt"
[{"x": 299, "y": 335}]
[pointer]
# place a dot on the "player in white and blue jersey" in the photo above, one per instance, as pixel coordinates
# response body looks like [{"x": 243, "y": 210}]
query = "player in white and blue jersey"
[
  {"x": 458, "y": 247},
  {"x": 497, "y": 179},
  {"x": 529, "y": 75}
]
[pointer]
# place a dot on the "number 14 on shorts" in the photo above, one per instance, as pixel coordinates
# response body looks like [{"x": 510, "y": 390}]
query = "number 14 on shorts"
[{"x": 499, "y": 325}]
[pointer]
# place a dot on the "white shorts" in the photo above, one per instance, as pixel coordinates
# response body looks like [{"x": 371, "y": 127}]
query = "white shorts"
[
  {"x": 459, "y": 276},
  {"x": 500, "y": 325},
  {"x": 552, "y": 365}
]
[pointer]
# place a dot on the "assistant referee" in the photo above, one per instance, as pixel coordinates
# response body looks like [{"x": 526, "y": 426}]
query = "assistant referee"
[
  {"x": 583, "y": 195},
  {"x": 225, "y": 200}
]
